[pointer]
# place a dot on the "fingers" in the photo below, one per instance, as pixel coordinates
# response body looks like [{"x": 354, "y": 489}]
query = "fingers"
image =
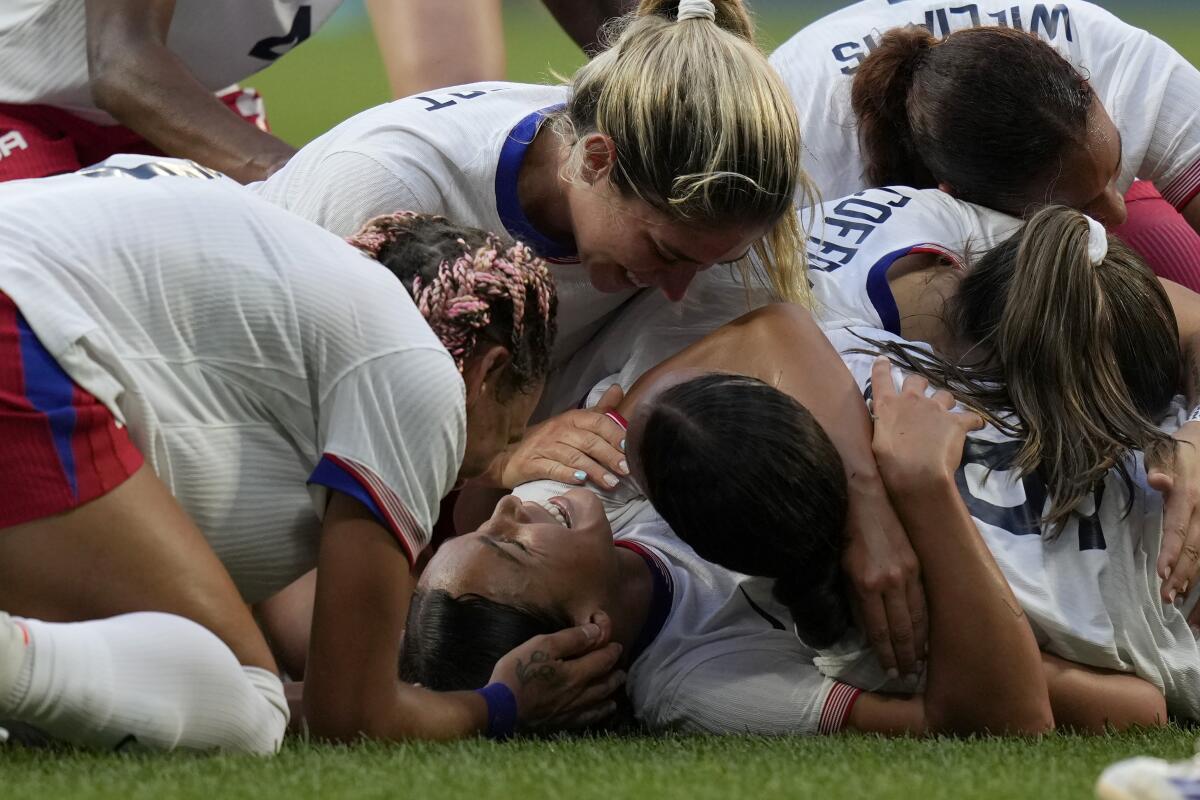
[
  {"x": 582, "y": 449},
  {"x": 611, "y": 398},
  {"x": 590, "y": 667},
  {"x": 1184, "y": 571},
  {"x": 601, "y": 425},
  {"x": 1177, "y": 512},
  {"x": 597, "y": 692},
  {"x": 968, "y": 420},
  {"x": 881, "y": 379},
  {"x": 875, "y": 623},
  {"x": 900, "y": 630},
  {"x": 569, "y": 642},
  {"x": 918, "y": 614}
]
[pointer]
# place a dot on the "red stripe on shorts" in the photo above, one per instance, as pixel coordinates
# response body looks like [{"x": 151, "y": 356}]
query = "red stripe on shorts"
[{"x": 35, "y": 480}]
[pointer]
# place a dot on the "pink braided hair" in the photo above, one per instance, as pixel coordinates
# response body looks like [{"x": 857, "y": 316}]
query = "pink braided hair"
[{"x": 458, "y": 301}]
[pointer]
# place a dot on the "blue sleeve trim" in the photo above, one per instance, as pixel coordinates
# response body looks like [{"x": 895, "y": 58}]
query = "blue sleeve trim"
[
  {"x": 332, "y": 476},
  {"x": 879, "y": 291}
]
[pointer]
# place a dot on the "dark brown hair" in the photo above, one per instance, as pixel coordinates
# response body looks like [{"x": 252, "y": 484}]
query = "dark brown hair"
[
  {"x": 747, "y": 477},
  {"x": 989, "y": 111},
  {"x": 1083, "y": 357}
]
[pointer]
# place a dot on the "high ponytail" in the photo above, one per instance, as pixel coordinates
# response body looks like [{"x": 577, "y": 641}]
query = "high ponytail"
[
  {"x": 991, "y": 112},
  {"x": 879, "y": 96},
  {"x": 729, "y": 15},
  {"x": 1084, "y": 357},
  {"x": 747, "y": 477},
  {"x": 704, "y": 129}
]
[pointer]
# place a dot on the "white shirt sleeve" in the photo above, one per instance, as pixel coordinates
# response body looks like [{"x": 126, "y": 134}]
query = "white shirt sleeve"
[
  {"x": 392, "y": 435},
  {"x": 342, "y": 190},
  {"x": 1153, "y": 95},
  {"x": 756, "y": 691}
]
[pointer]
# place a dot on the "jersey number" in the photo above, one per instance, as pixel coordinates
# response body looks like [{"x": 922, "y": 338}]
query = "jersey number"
[{"x": 301, "y": 30}]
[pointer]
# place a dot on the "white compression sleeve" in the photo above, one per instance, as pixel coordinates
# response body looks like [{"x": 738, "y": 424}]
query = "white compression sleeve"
[{"x": 157, "y": 680}]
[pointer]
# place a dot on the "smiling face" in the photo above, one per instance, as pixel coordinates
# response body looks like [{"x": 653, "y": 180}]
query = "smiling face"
[
  {"x": 625, "y": 243},
  {"x": 525, "y": 555},
  {"x": 1089, "y": 175}
]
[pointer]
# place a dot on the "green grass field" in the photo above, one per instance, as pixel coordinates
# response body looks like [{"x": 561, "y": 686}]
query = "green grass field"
[{"x": 696, "y": 768}]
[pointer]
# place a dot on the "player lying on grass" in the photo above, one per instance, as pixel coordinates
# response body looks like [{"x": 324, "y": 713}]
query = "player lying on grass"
[
  {"x": 926, "y": 267},
  {"x": 1048, "y": 102},
  {"x": 1090, "y": 589},
  {"x": 710, "y": 650},
  {"x": 203, "y": 397}
]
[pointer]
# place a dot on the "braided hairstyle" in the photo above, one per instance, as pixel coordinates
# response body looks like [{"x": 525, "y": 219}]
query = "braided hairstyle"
[{"x": 471, "y": 285}]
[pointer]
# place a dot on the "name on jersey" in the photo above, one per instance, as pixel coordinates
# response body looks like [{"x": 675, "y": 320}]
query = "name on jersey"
[
  {"x": 1046, "y": 21},
  {"x": 851, "y": 223}
]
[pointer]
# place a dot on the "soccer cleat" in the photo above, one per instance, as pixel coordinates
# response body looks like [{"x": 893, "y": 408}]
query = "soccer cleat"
[
  {"x": 13, "y": 641},
  {"x": 1150, "y": 779}
]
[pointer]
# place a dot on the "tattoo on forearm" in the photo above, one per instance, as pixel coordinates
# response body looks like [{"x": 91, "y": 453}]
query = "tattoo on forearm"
[{"x": 538, "y": 670}]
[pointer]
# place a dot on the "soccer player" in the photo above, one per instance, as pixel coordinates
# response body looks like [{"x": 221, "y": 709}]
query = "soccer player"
[
  {"x": 929, "y": 268},
  {"x": 785, "y": 656},
  {"x": 203, "y": 398},
  {"x": 620, "y": 189},
  {"x": 1009, "y": 105},
  {"x": 709, "y": 650},
  {"x": 80, "y": 81}
]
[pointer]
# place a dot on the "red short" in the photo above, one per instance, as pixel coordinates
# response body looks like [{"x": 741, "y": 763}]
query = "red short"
[
  {"x": 59, "y": 446},
  {"x": 36, "y": 141},
  {"x": 1161, "y": 236}
]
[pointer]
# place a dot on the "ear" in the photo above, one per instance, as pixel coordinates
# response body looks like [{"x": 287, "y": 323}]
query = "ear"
[
  {"x": 599, "y": 157},
  {"x": 947, "y": 188},
  {"x": 482, "y": 368}
]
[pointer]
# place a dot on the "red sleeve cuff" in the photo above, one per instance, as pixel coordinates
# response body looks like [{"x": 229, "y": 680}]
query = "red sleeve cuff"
[{"x": 838, "y": 706}]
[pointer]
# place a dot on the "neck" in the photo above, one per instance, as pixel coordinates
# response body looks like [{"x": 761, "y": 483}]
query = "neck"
[
  {"x": 630, "y": 599},
  {"x": 541, "y": 191}
]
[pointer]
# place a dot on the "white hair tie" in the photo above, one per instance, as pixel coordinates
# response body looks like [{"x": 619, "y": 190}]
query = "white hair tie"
[
  {"x": 1097, "y": 241},
  {"x": 691, "y": 9}
]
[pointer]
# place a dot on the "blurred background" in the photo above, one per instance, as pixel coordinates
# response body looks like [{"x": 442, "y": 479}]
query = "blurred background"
[{"x": 338, "y": 72}]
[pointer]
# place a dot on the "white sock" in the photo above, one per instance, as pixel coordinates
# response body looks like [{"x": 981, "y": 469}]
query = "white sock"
[{"x": 157, "y": 680}]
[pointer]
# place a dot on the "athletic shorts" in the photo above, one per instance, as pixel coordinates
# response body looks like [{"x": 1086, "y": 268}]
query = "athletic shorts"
[
  {"x": 59, "y": 446},
  {"x": 36, "y": 141},
  {"x": 1161, "y": 236}
]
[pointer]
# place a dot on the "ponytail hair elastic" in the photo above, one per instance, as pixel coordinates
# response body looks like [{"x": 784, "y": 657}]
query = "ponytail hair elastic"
[
  {"x": 1097, "y": 241},
  {"x": 696, "y": 9}
]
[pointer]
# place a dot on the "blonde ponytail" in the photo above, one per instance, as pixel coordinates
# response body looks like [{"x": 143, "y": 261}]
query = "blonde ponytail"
[{"x": 704, "y": 129}]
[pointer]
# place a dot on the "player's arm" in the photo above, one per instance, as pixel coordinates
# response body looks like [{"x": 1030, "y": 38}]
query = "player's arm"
[
  {"x": 985, "y": 672},
  {"x": 352, "y": 689},
  {"x": 1176, "y": 473},
  {"x": 1093, "y": 700},
  {"x": 583, "y": 21},
  {"x": 147, "y": 88},
  {"x": 781, "y": 345}
]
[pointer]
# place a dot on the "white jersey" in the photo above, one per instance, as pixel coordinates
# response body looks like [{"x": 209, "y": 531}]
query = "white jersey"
[
  {"x": 719, "y": 653},
  {"x": 43, "y": 45},
  {"x": 1150, "y": 91},
  {"x": 457, "y": 152},
  {"x": 1090, "y": 591},
  {"x": 854, "y": 242},
  {"x": 257, "y": 361}
]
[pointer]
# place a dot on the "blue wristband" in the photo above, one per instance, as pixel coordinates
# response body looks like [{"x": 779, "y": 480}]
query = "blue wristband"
[{"x": 502, "y": 710}]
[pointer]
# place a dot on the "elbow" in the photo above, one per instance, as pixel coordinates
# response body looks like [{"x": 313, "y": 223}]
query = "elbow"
[{"x": 113, "y": 71}]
